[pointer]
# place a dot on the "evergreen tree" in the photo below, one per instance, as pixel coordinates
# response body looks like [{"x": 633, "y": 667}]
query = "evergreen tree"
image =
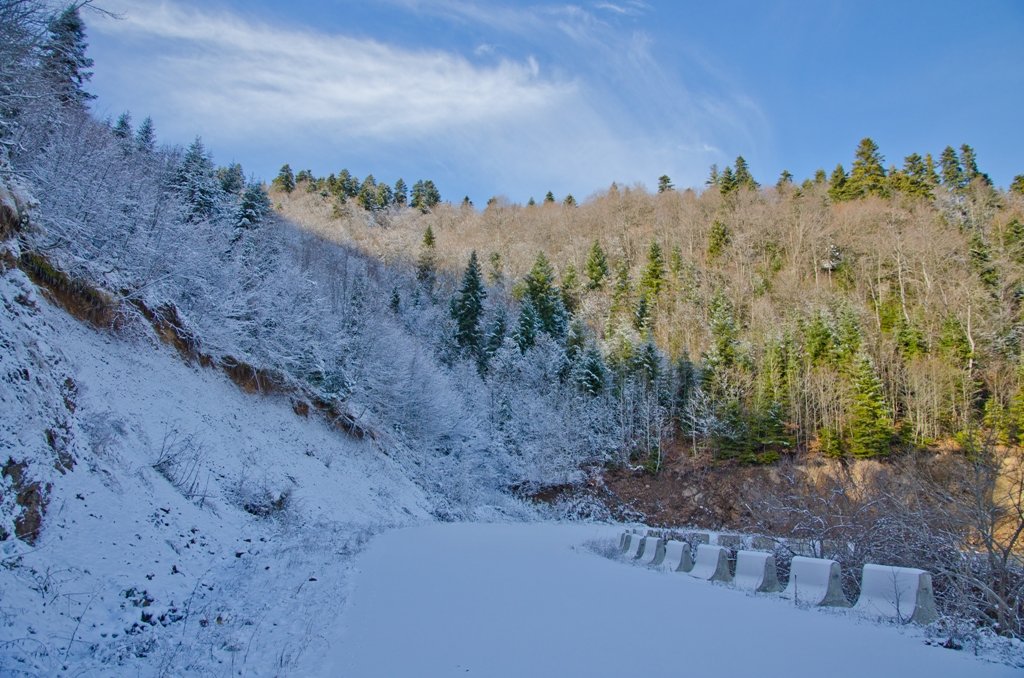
[
  {"x": 714, "y": 178},
  {"x": 820, "y": 177},
  {"x": 528, "y": 326},
  {"x": 231, "y": 179},
  {"x": 718, "y": 239},
  {"x": 123, "y": 126},
  {"x": 401, "y": 193},
  {"x": 570, "y": 288},
  {"x": 569, "y": 201},
  {"x": 837, "y": 185},
  {"x": 653, "y": 278},
  {"x": 1017, "y": 185},
  {"x": 742, "y": 178},
  {"x": 590, "y": 373},
  {"x": 622, "y": 291},
  {"x": 596, "y": 267},
  {"x": 545, "y": 297},
  {"x": 195, "y": 180},
  {"x": 931, "y": 175},
  {"x": 665, "y": 184},
  {"x": 285, "y": 180},
  {"x": 969, "y": 162},
  {"x": 727, "y": 182},
  {"x": 549, "y": 198},
  {"x": 952, "y": 172},
  {"x": 63, "y": 61},
  {"x": 145, "y": 137},
  {"x": 467, "y": 310},
  {"x": 914, "y": 179},
  {"x": 531, "y": 202},
  {"x": 427, "y": 263},
  {"x": 385, "y": 196},
  {"x": 870, "y": 429},
  {"x": 785, "y": 179},
  {"x": 367, "y": 197},
  {"x": 867, "y": 176},
  {"x": 348, "y": 184},
  {"x": 724, "y": 333},
  {"x": 253, "y": 207}
]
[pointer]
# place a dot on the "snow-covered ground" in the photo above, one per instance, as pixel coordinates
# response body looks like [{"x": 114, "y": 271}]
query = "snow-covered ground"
[
  {"x": 133, "y": 575},
  {"x": 537, "y": 600}
]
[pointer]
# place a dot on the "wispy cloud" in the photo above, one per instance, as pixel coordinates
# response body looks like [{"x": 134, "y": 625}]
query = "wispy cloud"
[
  {"x": 259, "y": 76},
  {"x": 564, "y": 97}
]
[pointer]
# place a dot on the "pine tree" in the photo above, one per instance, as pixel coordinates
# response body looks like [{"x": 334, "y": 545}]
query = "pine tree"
[
  {"x": 914, "y": 180},
  {"x": 570, "y": 288},
  {"x": 528, "y": 326},
  {"x": 665, "y": 184},
  {"x": 569, "y": 201},
  {"x": 969, "y": 162},
  {"x": 1017, "y": 185},
  {"x": 63, "y": 61},
  {"x": 145, "y": 137},
  {"x": 870, "y": 429},
  {"x": 867, "y": 176},
  {"x": 123, "y": 126},
  {"x": 231, "y": 179},
  {"x": 952, "y": 172},
  {"x": 653, "y": 278},
  {"x": 549, "y": 198},
  {"x": 467, "y": 310},
  {"x": 837, "y": 185},
  {"x": 401, "y": 193},
  {"x": 727, "y": 182},
  {"x": 196, "y": 181},
  {"x": 545, "y": 297},
  {"x": 285, "y": 180},
  {"x": 742, "y": 178},
  {"x": 718, "y": 239},
  {"x": 596, "y": 267},
  {"x": 714, "y": 178},
  {"x": 253, "y": 207},
  {"x": 426, "y": 265},
  {"x": 367, "y": 197},
  {"x": 785, "y": 179}
]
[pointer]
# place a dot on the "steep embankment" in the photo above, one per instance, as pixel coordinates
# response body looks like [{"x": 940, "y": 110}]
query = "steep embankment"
[{"x": 156, "y": 519}]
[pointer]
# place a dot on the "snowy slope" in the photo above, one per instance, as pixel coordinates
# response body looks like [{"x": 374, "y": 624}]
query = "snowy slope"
[
  {"x": 128, "y": 574},
  {"x": 537, "y": 600}
]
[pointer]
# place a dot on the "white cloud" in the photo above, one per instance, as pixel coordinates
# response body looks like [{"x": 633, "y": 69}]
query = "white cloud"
[{"x": 258, "y": 77}]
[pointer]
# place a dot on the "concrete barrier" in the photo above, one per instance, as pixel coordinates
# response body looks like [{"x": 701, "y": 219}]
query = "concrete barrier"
[
  {"x": 761, "y": 543},
  {"x": 900, "y": 593},
  {"x": 698, "y": 537},
  {"x": 712, "y": 563},
  {"x": 651, "y": 549},
  {"x": 755, "y": 571},
  {"x": 623, "y": 542},
  {"x": 677, "y": 557},
  {"x": 815, "y": 581},
  {"x": 730, "y": 541},
  {"x": 636, "y": 542}
]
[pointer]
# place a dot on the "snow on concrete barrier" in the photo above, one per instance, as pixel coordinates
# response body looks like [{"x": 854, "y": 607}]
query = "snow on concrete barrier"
[
  {"x": 900, "y": 593},
  {"x": 677, "y": 557},
  {"x": 698, "y": 537},
  {"x": 623, "y": 541},
  {"x": 636, "y": 542},
  {"x": 730, "y": 541},
  {"x": 651, "y": 549},
  {"x": 755, "y": 571},
  {"x": 712, "y": 563},
  {"x": 815, "y": 581}
]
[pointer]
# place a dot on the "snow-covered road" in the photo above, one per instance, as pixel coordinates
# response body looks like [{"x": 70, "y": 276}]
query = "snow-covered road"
[{"x": 532, "y": 600}]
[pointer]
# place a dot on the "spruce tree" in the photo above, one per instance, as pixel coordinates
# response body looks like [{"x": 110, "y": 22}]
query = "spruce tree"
[
  {"x": 665, "y": 184},
  {"x": 145, "y": 136},
  {"x": 569, "y": 201},
  {"x": 718, "y": 239},
  {"x": 253, "y": 206},
  {"x": 1017, "y": 185},
  {"x": 231, "y": 179},
  {"x": 742, "y": 178},
  {"x": 63, "y": 61},
  {"x": 367, "y": 197},
  {"x": 952, "y": 171},
  {"x": 653, "y": 278},
  {"x": 596, "y": 267},
  {"x": 837, "y": 185},
  {"x": 467, "y": 310},
  {"x": 867, "y": 176},
  {"x": 285, "y": 179},
  {"x": 401, "y": 193},
  {"x": 549, "y": 198},
  {"x": 570, "y": 288},
  {"x": 123, "y": 126},
  {"x": 545, "y": 297},
  {"x": 196, "y": 181},
  {"x": 527, "y": 327},
  {"x": 785, "y": 180},
  {"x": 426, "y": 264},
  {"x": 870, "y": 428}
]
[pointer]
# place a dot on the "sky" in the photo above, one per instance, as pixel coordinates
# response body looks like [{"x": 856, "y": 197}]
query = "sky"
[{"x": 514, "y": 99}]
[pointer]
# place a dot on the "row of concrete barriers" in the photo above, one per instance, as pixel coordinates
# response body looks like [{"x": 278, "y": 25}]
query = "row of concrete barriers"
[{"x": 901, "y": 593}]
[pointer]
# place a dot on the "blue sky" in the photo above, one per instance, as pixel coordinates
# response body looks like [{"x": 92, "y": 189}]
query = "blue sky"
[{"x": 518, "y": 98}]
